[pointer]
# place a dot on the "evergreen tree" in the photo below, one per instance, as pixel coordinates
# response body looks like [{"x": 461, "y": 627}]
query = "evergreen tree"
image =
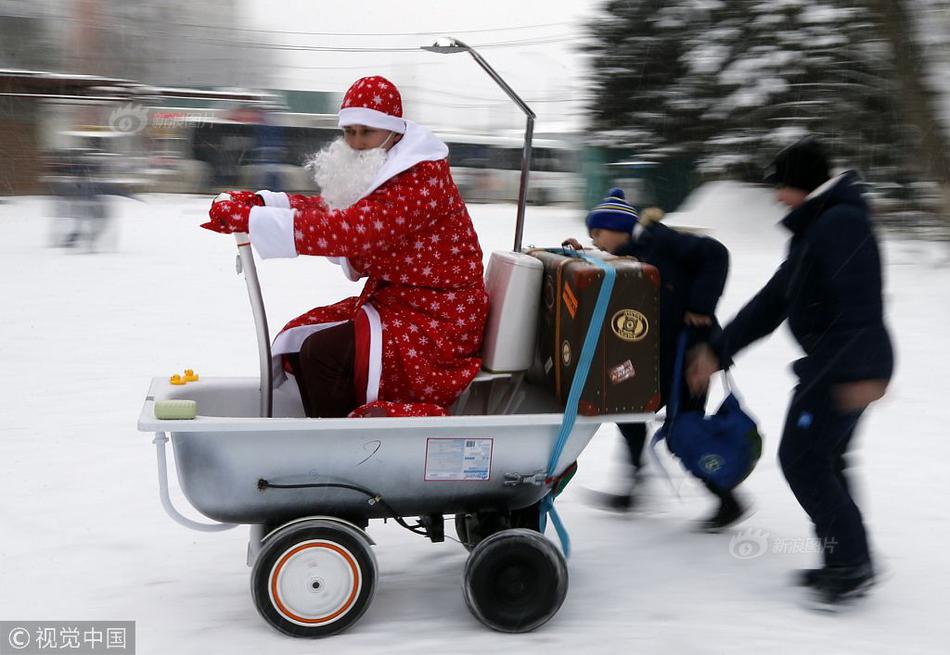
[{"x": 731, "y": 81}]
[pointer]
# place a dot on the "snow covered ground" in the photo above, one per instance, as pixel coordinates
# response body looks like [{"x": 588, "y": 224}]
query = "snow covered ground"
[{"x": 84, "y": 536}]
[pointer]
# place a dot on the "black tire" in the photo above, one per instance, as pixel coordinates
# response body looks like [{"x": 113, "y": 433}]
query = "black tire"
[
  {"x": 515, "y": 580},
  {"x": 461, "y": 529},
  {"x": 314, "y": 579}
]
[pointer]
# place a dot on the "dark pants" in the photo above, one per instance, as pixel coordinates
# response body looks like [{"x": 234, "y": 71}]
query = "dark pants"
[
  {"x": 812, "y": 455},
  {"x": 324, "y": 370}
]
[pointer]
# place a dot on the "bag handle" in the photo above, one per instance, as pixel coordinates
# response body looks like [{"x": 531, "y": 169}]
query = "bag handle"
[{"x": 674, "y": 400}]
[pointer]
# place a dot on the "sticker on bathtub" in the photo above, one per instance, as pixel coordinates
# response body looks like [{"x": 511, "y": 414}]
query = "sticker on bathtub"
[{"x": 449, "y": 459}]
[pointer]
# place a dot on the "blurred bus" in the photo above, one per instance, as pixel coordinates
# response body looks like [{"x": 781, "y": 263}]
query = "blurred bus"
[
  {"x": 488, "y": 168},
  {"x": 267, "y": 149}
]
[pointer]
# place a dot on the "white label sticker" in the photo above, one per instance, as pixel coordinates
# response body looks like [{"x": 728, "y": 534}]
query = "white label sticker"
[{"x": 458, "y": 459}]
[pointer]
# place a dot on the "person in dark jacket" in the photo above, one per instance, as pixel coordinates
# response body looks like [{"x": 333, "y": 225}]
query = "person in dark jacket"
[
  {"x": 693, "y": 272},
  {"x": 829, "y": 291}
]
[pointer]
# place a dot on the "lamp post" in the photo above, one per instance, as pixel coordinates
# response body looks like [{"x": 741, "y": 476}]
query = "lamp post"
[{"x": 451, "y": 45}]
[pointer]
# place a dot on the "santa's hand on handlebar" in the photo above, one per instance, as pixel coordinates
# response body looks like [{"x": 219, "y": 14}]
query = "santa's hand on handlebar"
[
  {"x": 243, "y": 197},
  {"x": 228, "y": 217}
]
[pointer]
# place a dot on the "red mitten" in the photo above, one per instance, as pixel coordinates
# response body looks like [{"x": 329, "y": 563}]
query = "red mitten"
[
  {"x": 246, "y": 198},
  {"x": 228, "y": 217},
  {"x": 241, "y": 197}
]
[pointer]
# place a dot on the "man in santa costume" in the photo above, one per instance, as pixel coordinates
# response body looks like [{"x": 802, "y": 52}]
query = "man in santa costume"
[{"x": 389, "y": 211}]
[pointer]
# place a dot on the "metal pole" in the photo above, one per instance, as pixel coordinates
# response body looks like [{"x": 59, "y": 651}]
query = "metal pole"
[
  {"x": 245, "y": 264},
  {"x": 523, "y": 187},
  {"x": 528, "y": 133}
]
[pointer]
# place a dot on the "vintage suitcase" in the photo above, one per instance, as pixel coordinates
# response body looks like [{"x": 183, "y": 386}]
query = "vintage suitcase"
[{"x": 624, "y": 375}]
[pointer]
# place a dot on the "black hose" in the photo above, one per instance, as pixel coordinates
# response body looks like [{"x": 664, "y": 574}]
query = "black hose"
[{"x": 263, "y": 484}]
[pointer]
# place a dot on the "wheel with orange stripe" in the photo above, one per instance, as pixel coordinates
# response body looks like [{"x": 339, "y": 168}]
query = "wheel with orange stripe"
[
  {"x": 515, "y": 580},
  {"x": 314, "y": 578}
]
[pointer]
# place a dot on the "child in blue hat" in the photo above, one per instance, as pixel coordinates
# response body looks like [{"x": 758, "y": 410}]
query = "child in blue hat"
[{"x": 693, "y": 272}]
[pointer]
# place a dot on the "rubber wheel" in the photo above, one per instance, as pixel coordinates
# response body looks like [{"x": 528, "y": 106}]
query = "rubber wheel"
[
  {"x": 314, "y": 579},
  {"x": 515, "y": 580},
  {"x": 461, "y": 529}
]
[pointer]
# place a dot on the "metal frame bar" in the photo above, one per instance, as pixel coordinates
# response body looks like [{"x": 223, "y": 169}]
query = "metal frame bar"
[
  {"x": 459, "y": 46},
  {"x": 160, "y": 440},
  {"x": 245, "y": 264}
]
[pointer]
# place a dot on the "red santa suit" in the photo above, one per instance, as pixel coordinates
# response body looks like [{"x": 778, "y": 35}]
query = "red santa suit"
[{"x": 419, "y": 319}]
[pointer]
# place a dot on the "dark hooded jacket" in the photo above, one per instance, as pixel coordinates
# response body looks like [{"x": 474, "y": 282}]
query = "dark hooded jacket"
[{"x": 829, "y": 289}]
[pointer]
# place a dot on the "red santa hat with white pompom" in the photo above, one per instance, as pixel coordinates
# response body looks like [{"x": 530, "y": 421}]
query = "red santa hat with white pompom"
[{"x": 375, "y": 102}]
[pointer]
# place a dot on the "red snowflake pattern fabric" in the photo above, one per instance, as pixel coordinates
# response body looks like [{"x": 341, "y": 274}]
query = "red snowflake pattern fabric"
[
  {"x": 374, "y": 92},
  {"x": 414, "y": 240},
  {"x": 389, "y": 409}
]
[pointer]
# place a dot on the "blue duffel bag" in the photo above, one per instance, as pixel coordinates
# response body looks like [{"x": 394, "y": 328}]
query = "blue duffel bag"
[{"x": 722, "y": 448}]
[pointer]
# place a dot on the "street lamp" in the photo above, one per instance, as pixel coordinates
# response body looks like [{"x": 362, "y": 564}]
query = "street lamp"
[{"x": 448, "y": 46}]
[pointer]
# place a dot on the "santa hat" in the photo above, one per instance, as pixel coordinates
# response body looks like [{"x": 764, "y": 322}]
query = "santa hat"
[
  {"x": 614, "y": 213},
  {"x": 374, "y": 102}
]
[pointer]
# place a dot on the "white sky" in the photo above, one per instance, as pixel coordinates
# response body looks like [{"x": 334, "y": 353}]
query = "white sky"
[{"x": 438, "y": 90}]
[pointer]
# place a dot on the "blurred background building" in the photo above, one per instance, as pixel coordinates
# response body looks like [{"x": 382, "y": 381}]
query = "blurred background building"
[
  {"x": 656, "y": 96},
  {"x": 168, "y": 43}
]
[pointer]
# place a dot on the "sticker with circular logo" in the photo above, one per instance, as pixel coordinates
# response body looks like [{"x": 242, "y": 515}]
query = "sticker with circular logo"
[
  {"x": 630, "y": 325},
  {"x": 566, "y": 353}
]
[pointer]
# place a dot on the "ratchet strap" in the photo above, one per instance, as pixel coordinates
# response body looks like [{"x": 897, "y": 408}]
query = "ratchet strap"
[{"x": 577, "y": 386}]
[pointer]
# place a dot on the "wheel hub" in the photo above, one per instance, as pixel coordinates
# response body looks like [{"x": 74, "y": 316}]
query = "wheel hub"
[{"x": 315, "y": 582}]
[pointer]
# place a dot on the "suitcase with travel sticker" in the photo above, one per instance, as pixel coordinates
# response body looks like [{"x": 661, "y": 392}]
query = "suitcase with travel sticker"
[{"x": 624, "y": 375}]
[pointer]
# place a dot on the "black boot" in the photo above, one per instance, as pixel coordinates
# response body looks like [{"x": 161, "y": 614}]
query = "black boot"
[
  {"x": 730, "y": 511},
  {"x": 624, "y": 501},
  {"x": 613, "y": 502},
  {"x": 837, "y": 585},
  {"x": 808, "y": 577}
]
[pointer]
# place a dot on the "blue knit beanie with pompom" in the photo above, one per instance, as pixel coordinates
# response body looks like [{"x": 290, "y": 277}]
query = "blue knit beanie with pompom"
[{"x": 614, "y": 213}]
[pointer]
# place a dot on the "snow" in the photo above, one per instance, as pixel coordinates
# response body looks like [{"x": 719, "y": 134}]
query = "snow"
[{"x": 84, "y": 537}]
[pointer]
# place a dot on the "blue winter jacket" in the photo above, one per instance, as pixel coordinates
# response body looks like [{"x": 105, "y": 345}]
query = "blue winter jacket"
[{"x": 829, "y": 289}]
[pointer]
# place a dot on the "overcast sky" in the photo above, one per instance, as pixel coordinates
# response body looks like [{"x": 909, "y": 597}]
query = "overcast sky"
[{"x": 542, "y": 65}]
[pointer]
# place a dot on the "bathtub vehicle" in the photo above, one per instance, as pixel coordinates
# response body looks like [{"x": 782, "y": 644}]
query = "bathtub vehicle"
[{"x": 308, "y": 488}]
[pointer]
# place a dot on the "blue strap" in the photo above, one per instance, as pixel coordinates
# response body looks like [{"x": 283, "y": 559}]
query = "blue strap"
[
  {"x": 672, "y": 406},
  {"x": 674, "y": 400},
  {"x": 577, "y": 386}
]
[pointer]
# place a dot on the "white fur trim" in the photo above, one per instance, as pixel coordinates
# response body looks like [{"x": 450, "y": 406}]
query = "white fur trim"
[
  {"x": 371, "y": 118},
  {"x": 275, "y": 198},
  {"x": 351, "y": 273},
  {"x": 417, "y": 145},
  {"x": 375, "y": 353},
  {"x": 272, "y": 232}
]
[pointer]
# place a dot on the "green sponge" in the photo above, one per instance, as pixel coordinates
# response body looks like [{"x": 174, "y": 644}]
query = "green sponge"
[{"x": 175, "y": 409}]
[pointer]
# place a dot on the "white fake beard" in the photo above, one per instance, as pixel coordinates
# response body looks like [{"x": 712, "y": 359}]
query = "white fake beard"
[{"x": 343, "y": 173}]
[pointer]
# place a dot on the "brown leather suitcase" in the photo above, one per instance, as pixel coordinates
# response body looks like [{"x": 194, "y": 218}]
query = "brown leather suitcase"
[{"x": 624, "y": 375}]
